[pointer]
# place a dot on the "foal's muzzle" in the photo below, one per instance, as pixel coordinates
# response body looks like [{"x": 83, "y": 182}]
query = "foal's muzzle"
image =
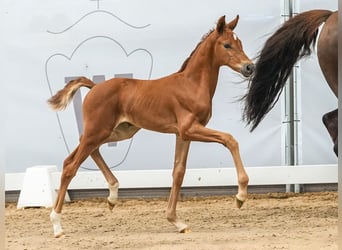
[{"x": 247, "y": 69}]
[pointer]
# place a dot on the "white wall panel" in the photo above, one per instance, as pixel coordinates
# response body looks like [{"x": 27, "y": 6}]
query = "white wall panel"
[{"x": 44, "y": 42}]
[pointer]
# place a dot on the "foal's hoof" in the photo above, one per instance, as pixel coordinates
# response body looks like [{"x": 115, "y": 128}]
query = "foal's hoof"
[
  {"x": 239, "y": 202},
  {"x": 60, "y": 235},
  {"x": 185, "y": 230},
  {"x": 110, "y": 205}
]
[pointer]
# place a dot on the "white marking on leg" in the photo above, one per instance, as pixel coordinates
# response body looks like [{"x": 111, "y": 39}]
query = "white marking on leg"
[
  {"x": 113, "y": 193},
  {"x": 55, "y": 218},
  {"x": 181, "y": 227}
]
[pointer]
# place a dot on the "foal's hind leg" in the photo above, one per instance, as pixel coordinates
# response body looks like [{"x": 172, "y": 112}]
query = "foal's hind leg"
[
  {"x": 70, "y": 167},
  {"x": 330, "y": 121},
  {"x": 55, "y": 215},
  {"x": 113, "y": 183},
  {"x": 123, "y": 131},
  {"x": 181, "y": 153}
]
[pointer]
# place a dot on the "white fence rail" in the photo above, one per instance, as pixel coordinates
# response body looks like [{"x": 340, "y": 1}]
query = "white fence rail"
[{"x": 277, "y": 175}]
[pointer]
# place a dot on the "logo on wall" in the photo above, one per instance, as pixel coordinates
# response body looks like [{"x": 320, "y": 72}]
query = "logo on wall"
[{"x": 99, "y": 45}]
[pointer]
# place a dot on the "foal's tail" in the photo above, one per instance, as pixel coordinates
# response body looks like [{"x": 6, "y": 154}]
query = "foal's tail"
[
  {"x": 62, "y": 98},
  {"x": 281, "y": 51}
]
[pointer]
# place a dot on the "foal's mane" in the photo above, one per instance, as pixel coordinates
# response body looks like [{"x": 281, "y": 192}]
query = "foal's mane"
[{"x": 185, "y": 63}]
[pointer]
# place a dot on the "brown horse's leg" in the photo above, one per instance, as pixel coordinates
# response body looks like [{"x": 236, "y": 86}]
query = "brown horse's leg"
[
  {"x": 113, "y": 182},
  {"x": 330, "y": 121},
  {"x": 181, "y": 153},
  {"x": 197, "y": 132}
]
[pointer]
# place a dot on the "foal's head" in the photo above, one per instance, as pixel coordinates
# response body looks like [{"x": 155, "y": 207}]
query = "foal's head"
[{"x": 228, "y": 48}]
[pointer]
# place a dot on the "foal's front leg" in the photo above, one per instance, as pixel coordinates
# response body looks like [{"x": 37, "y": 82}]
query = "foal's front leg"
[
  {"x": 197, "y": 132},
  {"x": 181, "y": 154}
]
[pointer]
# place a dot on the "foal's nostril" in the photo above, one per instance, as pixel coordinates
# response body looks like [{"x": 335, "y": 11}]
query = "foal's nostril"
[{"x": 248, "y": 69}]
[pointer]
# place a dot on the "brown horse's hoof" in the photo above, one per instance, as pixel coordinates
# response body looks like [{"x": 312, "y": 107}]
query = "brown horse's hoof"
[{"x": 239, "y": 202}]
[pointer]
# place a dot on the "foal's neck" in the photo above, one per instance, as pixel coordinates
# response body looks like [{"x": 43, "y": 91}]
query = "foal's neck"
[{"x": 202, "y": 68}]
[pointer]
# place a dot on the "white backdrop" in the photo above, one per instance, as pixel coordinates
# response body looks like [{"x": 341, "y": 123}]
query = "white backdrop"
[{"x": 46, "y": 42}]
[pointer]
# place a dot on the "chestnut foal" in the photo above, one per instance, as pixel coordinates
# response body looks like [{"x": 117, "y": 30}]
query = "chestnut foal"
[{"x": 180, "y": 103}]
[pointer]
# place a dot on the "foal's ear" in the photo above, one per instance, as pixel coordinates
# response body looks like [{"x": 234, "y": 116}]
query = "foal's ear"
[
  {"x": 221, "y": 23},
  {"x": 233, "y": 23}
]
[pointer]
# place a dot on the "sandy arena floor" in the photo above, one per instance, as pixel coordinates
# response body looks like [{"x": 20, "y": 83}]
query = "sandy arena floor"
[{"x": 270, "y": 221}]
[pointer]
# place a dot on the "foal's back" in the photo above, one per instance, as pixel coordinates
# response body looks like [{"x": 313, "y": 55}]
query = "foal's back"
[{"x": 149, "y": 104}]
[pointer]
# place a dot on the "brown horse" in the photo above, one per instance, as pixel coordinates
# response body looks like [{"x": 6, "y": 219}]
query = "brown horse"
[
  {"x": 288, "y": 44},
  {"x": 180, "y": 103}
]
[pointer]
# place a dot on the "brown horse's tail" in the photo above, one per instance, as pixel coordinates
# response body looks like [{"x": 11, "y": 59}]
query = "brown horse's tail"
[
  {"x": 276, "y": 60},
  {"x": 62, "y": 98}
]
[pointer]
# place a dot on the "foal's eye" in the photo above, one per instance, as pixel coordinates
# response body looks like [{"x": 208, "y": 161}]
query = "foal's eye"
[{"x": 227, "y": 46}]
